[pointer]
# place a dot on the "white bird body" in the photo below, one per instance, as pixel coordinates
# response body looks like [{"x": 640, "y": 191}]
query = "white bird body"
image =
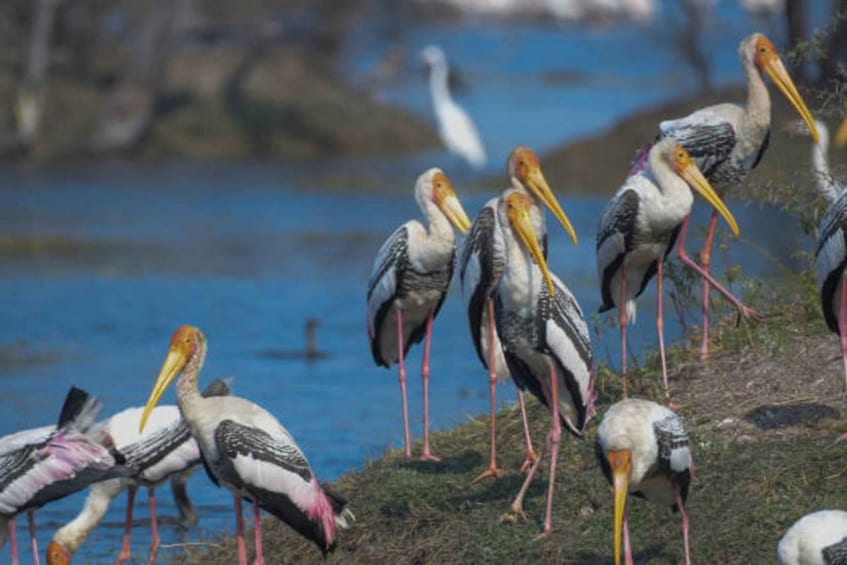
[
  {"x": 249, "y": 452},
  {"x": 455, "y": 127},
  {"x": 819, "y": 538}
]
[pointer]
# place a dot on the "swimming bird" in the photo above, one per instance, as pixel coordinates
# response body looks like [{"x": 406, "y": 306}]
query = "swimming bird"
[
  {"x": 311, "y": 351},
  {"x": 48, "y": 463},
  {"x": 638, "y": 229},
  {"x": 166, "y": 450},
  {"x": 481, "y": 265},
  {"x": 728, "y": 140},
  {"x": 544, "y": 337},
  {"x": 248, "y": 451},
  {"x": 455, "y": 127},
  {"x": 408, "y": 283},
  {"x": 643, "y": 450},
  {"x": 819, "y": 538}
]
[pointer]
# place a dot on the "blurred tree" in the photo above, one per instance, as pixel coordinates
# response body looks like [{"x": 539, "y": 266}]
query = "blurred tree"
[
  {"x": 833, "y": 64},
  {"x": 796, "y": 21}
]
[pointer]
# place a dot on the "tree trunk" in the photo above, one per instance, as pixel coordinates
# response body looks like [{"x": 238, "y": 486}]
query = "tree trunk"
[{"x": 129, "y": 110}]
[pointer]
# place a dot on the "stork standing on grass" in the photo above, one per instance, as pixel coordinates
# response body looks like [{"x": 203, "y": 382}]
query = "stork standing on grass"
[
  {"x": 482, "y": 262},
  {"x": 638, "y": 229},
  {"x": 165, "y": 451},
  {"x": 819, "y": 538},
  {"x": 457, "y": 130},
  {"x": 643, "y": 450},
  {"x": 246, "y": 450},
  {"x": 45, "y": 464},
  {"x": 409, "y": 281},
  {"x": 728, "y": 140},
  {"x": 544, "y": 337},
  {"x": 831, "y": 250}
]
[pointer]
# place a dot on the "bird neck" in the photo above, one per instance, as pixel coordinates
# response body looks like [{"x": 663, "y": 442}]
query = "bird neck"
[
  {"x": 669, "y": 183},
  {"x": 438, "y": 226},
  {"x": 522, "y": 278},
  {"x": 824, "y": 180},
  {"x": 757, "y": 113},
  {"x": 438, "y": 88},
  {"x": 72, "y": 535},
  {"x": 187, "y": 388}
]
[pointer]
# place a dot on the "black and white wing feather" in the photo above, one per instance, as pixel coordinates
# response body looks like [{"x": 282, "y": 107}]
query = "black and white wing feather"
[
  {"x": 831, "y": 257},
  {"x": 674, "y": 452},
  {"x": 707, "y": 136},
  {"x": 389, "y": 267},
  {"x": 615, "y": 237}
]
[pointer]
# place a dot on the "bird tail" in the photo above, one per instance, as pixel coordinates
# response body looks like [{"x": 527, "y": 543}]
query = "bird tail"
[
  {"x": 79, "y": 410},
  {"x": 344, "y": 518}
]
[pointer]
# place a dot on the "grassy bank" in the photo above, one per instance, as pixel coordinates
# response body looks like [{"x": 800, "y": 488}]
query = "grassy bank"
[{"x": 762, "y": 414}]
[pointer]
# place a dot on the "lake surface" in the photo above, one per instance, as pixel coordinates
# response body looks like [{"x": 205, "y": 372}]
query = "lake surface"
[{"x": 243, "y": 252}]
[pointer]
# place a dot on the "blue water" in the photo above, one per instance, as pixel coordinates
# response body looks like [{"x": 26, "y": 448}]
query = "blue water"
[{"x": 246, "y": 254}]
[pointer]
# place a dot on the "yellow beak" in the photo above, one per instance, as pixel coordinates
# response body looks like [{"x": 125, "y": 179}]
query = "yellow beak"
[
  {"x": 841, "y": 134},
  {"x": 519, "y": 218},
  {"x": 537, "y": 184},
  {"x": 692, "y": 175},
  {"x": 452, "y": 208},
  {"x": 173, "y": 365},
  {"x": 620, "y": 482},
  {"x": 779, "y": 75}
]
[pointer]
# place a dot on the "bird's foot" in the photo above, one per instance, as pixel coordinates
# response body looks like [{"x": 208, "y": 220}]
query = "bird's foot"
[
  {"x": 748, "y": 314},
  {"x": 543, "y": 534},
  {"x": 839, "y": 439},
  {"x": 122, "y": 558},
  {"x": 492, "y": 471},
  {"x": 427, "y": 456},
  {"x": 514, "y": 515},
  {"x": 531, "y": 458}
]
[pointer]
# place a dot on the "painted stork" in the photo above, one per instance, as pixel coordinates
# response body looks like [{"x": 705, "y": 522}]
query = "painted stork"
[
  {"x": 819, "y": 538},
  {"x": 643, "y": 450},
  {"x": 544, "y": 337},
  {"x": 482, "y": 261},
  {"x": 246, "y": 450},
  {"x": 45, "y": 464},
  {"x": 165, "y": 451},
  {"x": 728, "y": 140},
  {"x": 408, "y": 284},
  {"x": 638, "y": 229},
  {"x": 455, "y": 127},
  {"x": 831, "y": 250}
]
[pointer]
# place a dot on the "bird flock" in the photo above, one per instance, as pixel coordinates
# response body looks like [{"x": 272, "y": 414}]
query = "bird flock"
[{"x": 524, "y": 322}]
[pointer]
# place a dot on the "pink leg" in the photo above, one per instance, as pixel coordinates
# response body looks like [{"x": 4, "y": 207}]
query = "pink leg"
[
  {"x": 402, "y": 368},
  {"x": 531, "y": 455},
  {"x": 627, "y": 548},
  {"x": 660, "y": 327},
  {"x": 13, "y": 540},
  {"x": 126, "y": 548},
  {"x": 257, "y": 531},
  {"x": 842, "y": 326},
  {"x": 30, "y": 517},
  {"x": 706, "y": 263},
  {"x": 492, "y": 470},
  {"x": 748, "y": 313},
  {"x": 516, "y": 509},
  {"x": 426, "y": 455},
  {"x": 154, "y": 525},
  {"x": 239, "y": 531},
  {"x": 555, "y": 438},
  {"x": 684, "y": 528},
  {"x": 622, "y": 313}
]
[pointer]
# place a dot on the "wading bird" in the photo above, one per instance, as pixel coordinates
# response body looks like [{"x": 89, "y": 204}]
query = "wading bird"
[
  {"x": 455, "y": 127},
  {"x": 246, "y": 450},
  {"x": 48, "y": 463},
  {"x": 481, "y": 266},
  {"x": 643, "y": 450},
  {"x": 831, "y": 250},
  {"x": 408, "y": 284},
  {"x": 728, "y": 140},
  {"x": 166, "y": 450},
  {"x": 638, "y": 229},
  {"x": 819, "y": 538},
  {"x": 544, "y": 337}
]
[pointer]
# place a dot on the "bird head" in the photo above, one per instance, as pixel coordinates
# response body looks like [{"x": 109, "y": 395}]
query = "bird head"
[
  {"x": 524, "y": 167},
  {"x": 762, "y": 52},
  {"x": 186, "y": 342},
  {"x": 57, "y": 555},
  {"x": 439, "y": 188},
  {"x": 431, "y": 54},
  {"x": 682, "y": 163},
  {"x": 519, "y": 212},
  {"x": 620, "y": 462}
]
